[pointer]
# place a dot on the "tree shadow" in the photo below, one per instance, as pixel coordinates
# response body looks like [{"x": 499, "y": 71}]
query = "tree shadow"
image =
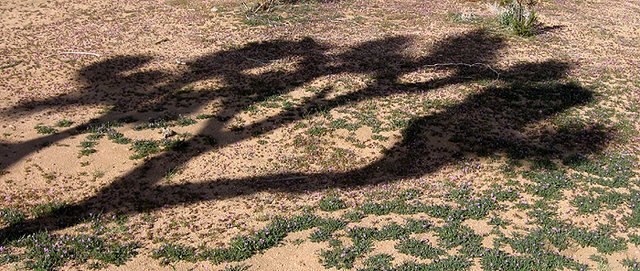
[{"x": 493, "y": 121}]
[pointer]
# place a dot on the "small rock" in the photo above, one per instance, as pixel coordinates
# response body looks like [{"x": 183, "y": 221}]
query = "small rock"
[
  {"x": 214, "y": 9},
  {"x": 167, "y": 133}
]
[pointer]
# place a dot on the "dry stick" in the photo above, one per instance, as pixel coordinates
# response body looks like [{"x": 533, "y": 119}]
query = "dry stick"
[
  {"x": 466, "y": 64},
  {"x": 79, "y": 53}
]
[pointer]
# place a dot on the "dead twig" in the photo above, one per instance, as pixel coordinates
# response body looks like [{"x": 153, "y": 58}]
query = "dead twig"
[
  {"x": 77, "y": 53},
  {"x": 467, "y": 65}
]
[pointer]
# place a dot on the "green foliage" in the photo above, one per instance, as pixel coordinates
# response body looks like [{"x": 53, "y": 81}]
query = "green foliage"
[
  {"x": 11, "y": 216},
  {"x": 43, "y": 251},
  {"x": 633, "y": 265},
  {"x": 326, "y": 228},
  {"x": 64, "y": 123},
  {"x": 49, "y": 208},
  {"x": 452, "y": 235},
  {"x": 331, "y": 203},
  {"x": 174, "y": 253},
  {"x": 419, "y": 248},
  {"x": 240, "y": 267},
  {"x": 378, "y": 262},
  {"x": 354, "y": 216},
  {"x": 144, "y": 148},
  {"x": 45, "y": 129},
  {"x": 548, "y": 183}
]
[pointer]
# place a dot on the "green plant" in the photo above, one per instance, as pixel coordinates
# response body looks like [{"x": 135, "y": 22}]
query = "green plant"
[
  {"x": 174, "y": 253},
  {"x": 331, "y": 203},
  {"x": 519, "y": 16},
  {"x": 44, "y": 129},
  {"x": 64, "y": 123},
  {"x": 419, "y": 248},
  {"x": 11, "y": 216},
  {"x": 240, "y": 267}
]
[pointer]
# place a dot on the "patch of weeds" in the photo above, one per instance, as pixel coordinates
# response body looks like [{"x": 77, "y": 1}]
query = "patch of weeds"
[
  {"x": 87, "y": 148},
  {"x": 409, "y": 194},
  {"x": 633, "y": 265},
  {"x": 518, "y": 17},
  {"x": 452, "y": 235},
  {"x": 453, "y": 263},
  {"x": 608, "y": 165},
  {"x": 236, "y": 127},
  {"x": 501, "y": 194},
  {"x": 549, "y": 183},
  {"x": 586, "y": 204},
  {"x": 382, "y": 208},
  {"x": 210, "y": 140},
  {"x": 634, "y": 239},
  {"x": 354, "y": 216},
  {"x": 49, "y": 176},
  {"x": 462, "y": 192},
  {"x": 542, "y": 164},
  {"x": 167, "y": 120},
  {"x": 93, "y": 137},
  {"x": 344, "y": 257},
  {"x": 44, "y": 251},
  {"x": 419, "y": 226},
  {"x": 317, "y": 131},
  {"x": 633, "y": 200},
  {"x": 97, "y": 174},
  {"x": 379, "y": 137},
  {"x": 344, "y": 124},
  {"x": 419, "y": 248},
  {"x": 174, "y": 144},
  {"x": 204, "y": 116},
  {"x": 242, "y": 247},
  {"x": 45, "y": 129},
  {"x": 11, "y": 216},
  {"x": 392, "y": 231},
  {"x": 331, "y": 203},
  {"x": 495, "y": 259},
  {"x": 64, "y": 123},
  {"x": 144, "y": 148},
  {"x": 95, "y": 126},
  {"x": 498, "y": 222},
  {"x": 170, "y": 253},
  {"x": 239, "y": 267},
  {"x": 46, "y": 209},
  {"x": 184, "y": 121},
  {"x": 88, "y": 144},
  {"x": 603, "y": 263},
  {"x": 602, "y": 239},
  {"x": 378, "y": 262},
  {"x": 118, "y": 138},
  {"x": 86, "y": 152},
  {"x": 476, "y": 208}
]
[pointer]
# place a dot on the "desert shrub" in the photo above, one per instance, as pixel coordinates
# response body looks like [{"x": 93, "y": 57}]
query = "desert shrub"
[{"x": 520, "y": 16}]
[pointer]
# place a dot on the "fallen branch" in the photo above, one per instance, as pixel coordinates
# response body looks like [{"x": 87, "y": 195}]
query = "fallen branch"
[{"x": 467, "y": 65}]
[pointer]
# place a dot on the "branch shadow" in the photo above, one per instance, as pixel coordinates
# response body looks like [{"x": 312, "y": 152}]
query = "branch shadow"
[{"x": 490, "y": 122}]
